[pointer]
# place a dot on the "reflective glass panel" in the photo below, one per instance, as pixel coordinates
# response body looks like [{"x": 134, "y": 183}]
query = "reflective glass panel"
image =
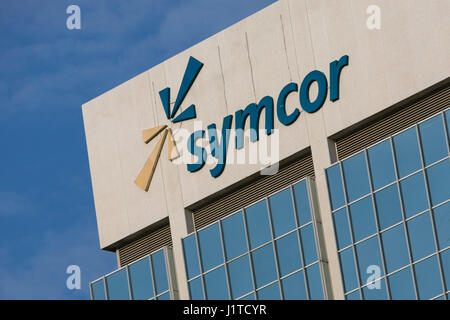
[
  {"x": 271, "y": 292},
  {"x": 363, "y": 218},
  {"x": 348, "y": 269},
  {"x": 381, "y": 164},
  {"x": 395, "y": 249},
  {"x": 421, "y": 236},
  {"x": 196, "y": 290},
  {"x": 282, "y": 210},
  {"x": 314, "y": 282},
  {"x": 234, "y": 235},
  {"x": 210, "y": 247},
  {"x": 240, "y": 276},
  {"x": 117, "y": 284},
  {"x": 376, "y": 291},
  {"x": 288, "y": 252},
  {"x": 165, "y": 296},
  {"x": 355, "y": 176},
  {"x": 407, "y": 152},
  {"x": 248, "y": 297},
  {"x": 141, "y": 279},
  {"x": 445, "y": 260},
  {"x": 428, "y": 278},
  {"x": 190, "y": 256},
  {"x": 302, "y": 202},
  {"x": 414, "y": 194},
  {"x": 98, "y": 290},
  {"x": 432, "y": 136},
  {"x": 401, "y": 285},
  {"x": 264, "y": 265},
  {"x": 368, "y": 253},
  {"x": 308, "y": 244},
  {"x": 388, "y": 206},
  {"x": 447, "y": 119},
  {"x": 439, "y": 182},
  {"x": 442, "y": 224},
  {"x": 159, "y": 271},
  {"x": 294, "y": 286},
  {"x": 216, "y": 284},
  {"x": 335, "y": 189},
  {"x": 258, "y": 224},
  {"x": 342, "y": 229},
  {"x": 355, "y": 295}
]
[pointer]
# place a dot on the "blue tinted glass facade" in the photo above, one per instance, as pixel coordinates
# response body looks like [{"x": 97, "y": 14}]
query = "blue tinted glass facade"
[
  {"x": 145, "y": 279},
  {"x": 267, "y": 250},
  {"x": 391, "y": 212}
]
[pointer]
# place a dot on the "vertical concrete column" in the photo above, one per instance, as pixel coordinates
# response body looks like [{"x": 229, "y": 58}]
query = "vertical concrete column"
[{"x": 322, "y": 158}]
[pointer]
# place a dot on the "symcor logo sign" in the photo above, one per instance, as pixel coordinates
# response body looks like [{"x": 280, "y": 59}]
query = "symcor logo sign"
[{"x": 218, "y": 143}]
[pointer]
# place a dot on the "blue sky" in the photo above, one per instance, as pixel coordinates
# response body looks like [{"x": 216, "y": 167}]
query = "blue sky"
[{"x": 47, "y": 214}]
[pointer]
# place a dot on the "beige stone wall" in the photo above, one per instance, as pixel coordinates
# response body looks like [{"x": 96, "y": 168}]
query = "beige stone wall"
[{"x": 247, "y": 61}]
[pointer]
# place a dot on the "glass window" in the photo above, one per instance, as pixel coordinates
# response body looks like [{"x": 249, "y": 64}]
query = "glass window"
[
  {"x": 141, "y": 280},
  {"x": 264, "y": 265},
  {"x": 294, "y": 287},
  {"x": 282, "y": 210},
  {"x": 428, "y": 278},
  {"x": 439, "y": 182},
  {"x": 414, "y": 194},
  {"x": 355, "y": 176},
  {"x": 388, "y": 206},
  {"x": 442, "y": 224},
  {"x": 159, "y": 271},
  {"x": 195, "y": 289},
  {"x": 216, "y": 284},
  {"x": 165, "y": 296},
  {"x": 363, "y": 219},
  {"x": 335, "y": 186},
  {"x": 240, "y": 277},
  {"x": 288, "y": 252},
  {"x": 355, "y": 295},
  {"x": 302, "y": 202},
  {"x": 348, "y": 269},
  {"x": 395, "y": 249},
  {"x": 432, "y": 136},
  {"x": 191, "y": 256},
  {"x": 421, "y": 236},
  {"x": 407, "y": 152},
  {"x": 375, "y": 291},
  {"x": 210, "y": 247},
  {"x": 234, "y": 235},
  {"x": 314, "y": 282},
  {"x": 308, "y": 244},
  {"x": 271, "y": 292},
  {"x": 117, "y": 284},
  {"x": 341, "y": 228},
  {"x": 368, "y": 254},
  {"x": 447, "y": 119},
  {"x": 248, "y": 297},
  {"x": 445, "y": 261},
  {"x": 381, "y": 164},
  {"x": 98, "y": 290},
  {"x": 258, "y": 224},
  {"x": 401, "y": 285}
]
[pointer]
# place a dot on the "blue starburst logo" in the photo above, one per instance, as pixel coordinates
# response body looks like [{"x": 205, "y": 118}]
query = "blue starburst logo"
[{"x": 144, "y": 177}]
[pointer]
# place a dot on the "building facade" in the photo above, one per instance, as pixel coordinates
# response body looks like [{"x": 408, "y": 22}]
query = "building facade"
[{"x": 307, "y": 157}]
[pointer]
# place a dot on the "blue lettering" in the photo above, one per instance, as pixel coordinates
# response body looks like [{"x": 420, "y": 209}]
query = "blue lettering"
[
  {"x": 196, "y": 151},
  {"x": 281, "y": 105}
]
